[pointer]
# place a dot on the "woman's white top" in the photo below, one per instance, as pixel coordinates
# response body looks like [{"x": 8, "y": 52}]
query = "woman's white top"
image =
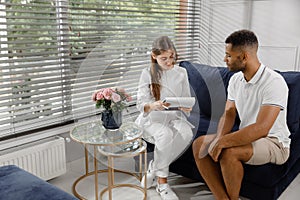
[{"x": 174, "y": 83}]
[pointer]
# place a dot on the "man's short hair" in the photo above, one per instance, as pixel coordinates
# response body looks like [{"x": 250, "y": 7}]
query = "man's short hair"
[{"x": 241, "y": 39}]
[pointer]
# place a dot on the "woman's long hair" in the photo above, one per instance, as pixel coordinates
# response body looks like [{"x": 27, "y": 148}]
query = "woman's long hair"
[{"x": 159, "y": 46}]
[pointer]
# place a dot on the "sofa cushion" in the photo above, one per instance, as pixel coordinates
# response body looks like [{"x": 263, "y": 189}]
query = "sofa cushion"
[
  {"x": 293, "y": 115},
  {"x": 210, "y": 86}
]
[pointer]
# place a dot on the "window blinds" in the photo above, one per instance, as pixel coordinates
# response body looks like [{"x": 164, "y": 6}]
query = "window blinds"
[{"x": 54, "y": 54}]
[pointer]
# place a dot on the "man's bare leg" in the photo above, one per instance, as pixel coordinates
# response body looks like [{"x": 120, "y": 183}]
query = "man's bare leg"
[
  {"x": 209, "y": 170},
  {"x": 232, "y": 168}
]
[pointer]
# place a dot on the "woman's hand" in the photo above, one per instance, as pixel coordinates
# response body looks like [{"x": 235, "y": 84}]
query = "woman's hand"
[
  {"x": 185, "y": 109},
  {"x": 157, "y": 105}
]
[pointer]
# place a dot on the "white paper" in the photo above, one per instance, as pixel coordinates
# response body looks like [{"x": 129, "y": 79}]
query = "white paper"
[{"x": 186, "y": 102}]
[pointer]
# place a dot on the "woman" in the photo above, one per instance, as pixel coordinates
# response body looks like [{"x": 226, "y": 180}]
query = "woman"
[{"x": 169, "y": 130}]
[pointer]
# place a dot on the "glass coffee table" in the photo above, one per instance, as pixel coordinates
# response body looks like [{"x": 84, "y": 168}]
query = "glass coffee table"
[{"x": 124, "y": 142}]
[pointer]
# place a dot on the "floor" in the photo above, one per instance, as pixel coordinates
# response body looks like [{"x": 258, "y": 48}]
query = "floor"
[{"x": 186, "y": 189}]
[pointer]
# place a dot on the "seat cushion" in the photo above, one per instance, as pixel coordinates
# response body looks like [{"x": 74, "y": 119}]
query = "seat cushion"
[
  {"x": 16, "y": 183},
  {"x": 271, "y": 173}
]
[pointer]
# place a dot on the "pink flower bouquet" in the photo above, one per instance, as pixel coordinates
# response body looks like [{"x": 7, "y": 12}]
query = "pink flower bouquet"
[{"x": 111, "y": 98}]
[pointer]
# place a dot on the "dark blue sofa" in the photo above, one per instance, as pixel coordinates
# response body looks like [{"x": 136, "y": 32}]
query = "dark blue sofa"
[
  {"x": 18, "y": 184},
  {"x": 209, "y": 86}
]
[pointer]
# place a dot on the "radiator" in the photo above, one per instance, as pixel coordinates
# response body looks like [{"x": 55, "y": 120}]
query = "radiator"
[{"x": 44, "y": 158}]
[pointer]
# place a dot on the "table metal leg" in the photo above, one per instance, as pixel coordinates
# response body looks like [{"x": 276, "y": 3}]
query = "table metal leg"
[
  {"x": 140, "y": 166},
  {"x": 112, "y": 172},
  {"x": 96, "y": 172},
  {"x": 110, "y": 177}
]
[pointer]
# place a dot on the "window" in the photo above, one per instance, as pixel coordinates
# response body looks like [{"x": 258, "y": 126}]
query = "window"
[{"x": 55, "y": 53}]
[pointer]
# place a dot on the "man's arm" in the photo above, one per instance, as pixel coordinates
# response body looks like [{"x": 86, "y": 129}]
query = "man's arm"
[
  {"x": 264, "y": 122},
  {"x": 224, "y": 127},
  {"x": 227, "y": 120}
]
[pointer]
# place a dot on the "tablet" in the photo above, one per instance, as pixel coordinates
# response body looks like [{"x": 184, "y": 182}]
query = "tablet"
[{"x": 176, "y": 102}]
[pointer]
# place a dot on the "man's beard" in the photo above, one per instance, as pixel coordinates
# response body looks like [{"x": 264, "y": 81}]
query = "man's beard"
[{"x": 237, "y": 66}]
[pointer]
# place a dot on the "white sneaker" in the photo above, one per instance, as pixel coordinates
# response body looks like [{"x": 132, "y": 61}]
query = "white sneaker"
[
  {"x": 150, "y": 176},
  {"x": 166, "y": 193}
]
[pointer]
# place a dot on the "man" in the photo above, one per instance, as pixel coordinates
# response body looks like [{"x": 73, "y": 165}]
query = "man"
[{"x": 259, "y": 95}]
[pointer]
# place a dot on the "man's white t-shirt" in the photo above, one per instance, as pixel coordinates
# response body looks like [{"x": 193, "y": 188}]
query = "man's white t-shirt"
[{"x": 266, "y": 87}]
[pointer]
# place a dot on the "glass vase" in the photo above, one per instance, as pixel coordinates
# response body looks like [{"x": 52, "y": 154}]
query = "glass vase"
[{"x": 111, "y": 120}]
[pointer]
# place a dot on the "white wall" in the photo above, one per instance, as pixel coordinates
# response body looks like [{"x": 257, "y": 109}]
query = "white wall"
[{"x": 276, "y": 23}]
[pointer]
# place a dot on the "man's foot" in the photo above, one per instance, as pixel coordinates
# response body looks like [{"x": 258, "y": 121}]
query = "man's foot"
[
  {"x": 150, "y": 176},
  {"x": 165, "y": 192}
]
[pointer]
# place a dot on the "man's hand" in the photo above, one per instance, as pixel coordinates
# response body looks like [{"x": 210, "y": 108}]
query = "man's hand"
[{"x": 215, "y": 149}]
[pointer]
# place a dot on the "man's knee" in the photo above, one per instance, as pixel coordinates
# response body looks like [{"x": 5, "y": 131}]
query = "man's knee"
[
  {"x": 228, "y": 154},
  {"x": 235, "y": 154},
  {"x": 197, "y": 143}
]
